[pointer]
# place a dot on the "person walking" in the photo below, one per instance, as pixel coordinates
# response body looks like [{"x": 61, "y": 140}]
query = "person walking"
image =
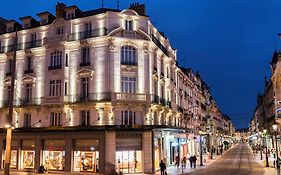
[
  {"x": 162, "y": 167},
  {"x": 190, "y": 161},
  {"x": 177, "y": 162},
  {"x": 194, "y": 161},
  {"x": 183, "y": 162}
]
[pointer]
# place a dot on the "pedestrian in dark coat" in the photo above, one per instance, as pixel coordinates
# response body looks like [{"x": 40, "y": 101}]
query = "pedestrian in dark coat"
[
  {"x": 190, "y": 161},
  {"x": 194, "y": 161},
  {"x": 162, "y": 166}
]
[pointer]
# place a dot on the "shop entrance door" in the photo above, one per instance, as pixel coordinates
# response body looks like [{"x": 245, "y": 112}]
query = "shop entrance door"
[{"x": 128, "y": 161}]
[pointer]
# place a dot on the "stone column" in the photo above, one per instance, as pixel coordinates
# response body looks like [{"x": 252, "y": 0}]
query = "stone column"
[
  {"x": 68, "y": 153},
  {"x": 110, "y": 149},
  {"x": 147, "y": 149},
  {"x": 38, "y": 152}
]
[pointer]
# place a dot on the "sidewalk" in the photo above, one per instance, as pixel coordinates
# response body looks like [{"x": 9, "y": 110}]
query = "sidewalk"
[{"x": 268, "y": 170}]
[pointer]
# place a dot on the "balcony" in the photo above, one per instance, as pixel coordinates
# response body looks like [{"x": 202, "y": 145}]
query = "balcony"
[
  {"x": 90, "y": 97},
  {"x": 29, "y": 71},
  {"x": 30, "y": 44},
  {"x": 129, "y": 63},
  {"x": 52, "y": 100},
  {"x": 129, "y": 97},
  {"x": 159, "y": 45},
  {"x": 54, "y": 40},
  {"x": 84, "y": 64},
  {"x": 53, "y": 67},
  {"x": 29, "y": 102},
  {"x": 87, "y": 34}
]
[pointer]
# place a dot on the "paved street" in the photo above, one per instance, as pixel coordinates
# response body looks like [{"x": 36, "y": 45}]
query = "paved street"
[{"x": 237, "y": 161}]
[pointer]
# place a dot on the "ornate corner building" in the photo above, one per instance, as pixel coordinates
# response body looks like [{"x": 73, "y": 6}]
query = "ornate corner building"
[{"x": 99, "y": 91}]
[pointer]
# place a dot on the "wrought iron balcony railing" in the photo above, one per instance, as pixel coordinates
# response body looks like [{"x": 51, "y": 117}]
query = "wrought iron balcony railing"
[{"x": 87, "y": 34}]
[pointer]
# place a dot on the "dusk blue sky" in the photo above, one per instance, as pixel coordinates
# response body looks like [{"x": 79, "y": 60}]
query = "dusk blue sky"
[{"x": 229, "y": 41}]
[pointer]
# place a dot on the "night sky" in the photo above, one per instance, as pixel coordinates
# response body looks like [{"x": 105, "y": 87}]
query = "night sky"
[{"x": 229, "y": 41}]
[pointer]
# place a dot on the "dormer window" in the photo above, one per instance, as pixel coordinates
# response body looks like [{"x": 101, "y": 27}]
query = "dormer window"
[
  {"x": 44, "y": 21},
  {"x": 59, "y": 31},
  {"x": 70, "y": 15},
  {"x": 129, "y": 24},
  {"x": 26, "y": 25},
  {"x": 10, "y": 29}
]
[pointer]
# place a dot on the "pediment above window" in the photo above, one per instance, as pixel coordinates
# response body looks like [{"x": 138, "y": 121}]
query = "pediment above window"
[
  {"x": 85, "y": 72},
  {"x": 28, "y": 79},
  {"x": 136, "y": 34}
]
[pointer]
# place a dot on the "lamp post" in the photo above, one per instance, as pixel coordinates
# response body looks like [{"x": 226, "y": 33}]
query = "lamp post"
[
  {"x": 275, "y": 127},
  {"x": 260, "y": 145},
  {"x": 201, "y": 156},
  {"x": 266, "y": 156},
  {"x": 221, "y": 145}
]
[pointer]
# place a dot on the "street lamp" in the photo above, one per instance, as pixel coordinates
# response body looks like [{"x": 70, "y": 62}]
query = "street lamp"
[
  {"x": 275, "y": 127},
  {"x": 260, "y": 145},
  {"x": 201, "y": 156},
  {"x": 266, "y": 156}
]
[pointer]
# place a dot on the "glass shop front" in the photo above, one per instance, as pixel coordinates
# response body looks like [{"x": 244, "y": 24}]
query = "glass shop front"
[
  {"x": 54, "y": 154},
  {"x": 86, "y": 156}
]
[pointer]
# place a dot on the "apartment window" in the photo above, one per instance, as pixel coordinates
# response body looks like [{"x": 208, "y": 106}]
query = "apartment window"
[
  {"x": 66, "y": 60},
  {"x": 168, "y": 73},
  {"x": 26, "y": 25},
  {"x": 129, "y": 24},
  {"x": 59, "y": 31},
  {"x": 128, "y": 84},
  {"x": 85, "y": 60},
  {"x": 10, "y": 29},
  {"x": 55, "y": 87},
  {"x": 128, "y": 117},
  {"x": 162, "y": 92},
  {"x": 9, "y": 67},
  {"x": 88, "y": 29},
  {"x": 85, "y": 87},
  {"x": 55, "y": 119},
  {"x": 27, "y": 120},
  {"x": 28, "y": 92},
  {"x": 44, "y": 21},
  {"x": 155, "y": 87},
  {"x": 85, "y": 118},
  {"x": 128, "y": 55},
  {"x": 65, "y": 88},
  {"x": 162, "y": 66},
  {"x": 71, "y": 15},
  {"x": 28, "y": 66},
  {"x": 56, "y": 58}
]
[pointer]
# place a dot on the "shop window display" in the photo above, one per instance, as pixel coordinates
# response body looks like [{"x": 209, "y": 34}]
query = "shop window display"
[
  {"x": 54, "y": 160},
  {"x": 28, "y": 159},
  {"x": 86, "y": 161},
  {"x": 14, "y": 157}
]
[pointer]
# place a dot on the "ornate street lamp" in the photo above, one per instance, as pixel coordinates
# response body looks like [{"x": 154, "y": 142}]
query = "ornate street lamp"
[
  {"x": 275, "y": 127},
  {"x": 266, "y": 156},
  {"x": 201, "y": 156}
]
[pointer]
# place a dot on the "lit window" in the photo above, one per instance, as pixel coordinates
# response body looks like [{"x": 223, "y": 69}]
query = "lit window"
[
  {"x": 59, "y": 31},
  {"x": 56, "y": 58},
  {"x": 85, "y": 59},
  {"x": 128, "y": 55},
  {"x": 27, "y": 120},
  {"x": 128, "y": 85},
  {"x": 85, "y": 118}
]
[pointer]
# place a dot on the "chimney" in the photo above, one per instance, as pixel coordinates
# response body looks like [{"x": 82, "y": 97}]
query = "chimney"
[
  {"x": 139, "y": 8},
  {"x": 60, "y": 10},
  {"x": 2, "y": 25}
]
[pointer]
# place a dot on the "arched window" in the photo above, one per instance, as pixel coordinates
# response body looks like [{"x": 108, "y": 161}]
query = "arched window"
[
  {"x": 56, "y": 58},
  {"x": 128, "y": 55}
]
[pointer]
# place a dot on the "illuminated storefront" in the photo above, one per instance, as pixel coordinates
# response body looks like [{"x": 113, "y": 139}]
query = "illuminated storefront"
[
  {"x": 14, "y": 154},
  {"x": 129, "y": 154},
  {"x": 86, "y": 156},
  {"x": 54, "y": 154},
  {"x": 27, "y": 154}
]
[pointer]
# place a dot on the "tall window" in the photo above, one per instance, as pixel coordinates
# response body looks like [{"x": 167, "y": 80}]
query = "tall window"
[
  {"x": 27, "y": 120},
  {"x": 128, "y": 55},
  {"x": 129, "y": 24},
  {"x": 28, "y": 68},
  {"x": 85, "y": 118},
  {"x": 55, "y": 87},
  {"x": 88, "y": 29},
  {"x": 28, "y": 92},
  {"x": 9, "y": 67},
  {"x": 128, "y": 84},
  {"x": 33, "y": 40},
  {"x": 85, "y": 60},
  {"x": 55, "y": 119},
  {"x": 56, "y": 58},
  {"x": 128, "y": 118},
  {"x": 85, "y": 87},
  {"x": 155, "y": 87},
  {"x": 8, "y": 92}
]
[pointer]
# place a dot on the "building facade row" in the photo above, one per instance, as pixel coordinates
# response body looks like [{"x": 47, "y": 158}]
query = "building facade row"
[{"x": 101, "y": 91}]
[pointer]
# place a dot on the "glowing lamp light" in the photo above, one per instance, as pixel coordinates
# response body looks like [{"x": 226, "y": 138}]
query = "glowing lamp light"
[
  {"x": 274, "y": 126},
  {"x": 7, "y": 126}
]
